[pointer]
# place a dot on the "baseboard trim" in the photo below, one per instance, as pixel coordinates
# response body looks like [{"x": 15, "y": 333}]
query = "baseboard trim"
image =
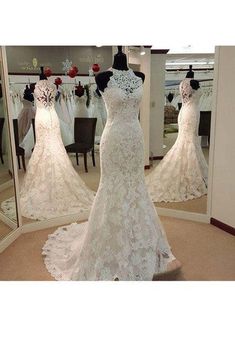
[
  {"x": 53, "y": 222},
  {"x": 156, "y": 158},
  {"x": 9, "y": 239},
  {"x": 182, "y": 214},
  {"x": 12, "y": 224},
  {"x": 6, "y": 185},
  {"x": 222, "y": 226}
]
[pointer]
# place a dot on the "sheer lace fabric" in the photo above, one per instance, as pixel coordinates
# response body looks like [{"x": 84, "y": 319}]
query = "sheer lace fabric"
[
  {"x": 123, "y": 237},
  {"x": 183, "y": 172},
  {"x": 51, "y": 186}
]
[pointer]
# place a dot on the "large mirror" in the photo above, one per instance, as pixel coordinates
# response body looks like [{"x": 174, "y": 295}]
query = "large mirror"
[
  {"x": 61, "y": 140},
  {"x": 8, "y": 214},
  {"x": 182, "y": 167},
  {"x": 57, "y": 148}
]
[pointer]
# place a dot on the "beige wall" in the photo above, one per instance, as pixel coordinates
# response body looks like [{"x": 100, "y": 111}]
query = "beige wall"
[
  {"x": 223, "y": 168},
  {"x": 145, "y": 67},
  {"x": 20, "y": 58},
  {"x": 157, "y": 94}
]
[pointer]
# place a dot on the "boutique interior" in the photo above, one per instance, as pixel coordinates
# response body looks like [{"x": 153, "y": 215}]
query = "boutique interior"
[{"x": 200, "y": 226}]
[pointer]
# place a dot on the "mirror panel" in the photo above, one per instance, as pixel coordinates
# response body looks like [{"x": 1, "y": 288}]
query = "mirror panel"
[{"x": 8, "y": 208}]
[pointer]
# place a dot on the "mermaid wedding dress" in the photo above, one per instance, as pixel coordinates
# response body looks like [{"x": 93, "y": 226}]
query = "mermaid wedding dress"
[
  {"x": 123, "y": 238},
  {"x": 182, "y": 174},
  {"x": 51, "y": 187}
]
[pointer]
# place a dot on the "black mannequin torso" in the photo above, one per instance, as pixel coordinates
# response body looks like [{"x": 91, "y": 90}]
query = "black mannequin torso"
[
  {"x": 79, "y": 90},
  {"x": 193, "y": 83},
  {"x": 28, "y": 94},
  {"x": 42, "y": 76},
  {"x": 97, "y": 92},
  {"x": 119, "y": 63}
]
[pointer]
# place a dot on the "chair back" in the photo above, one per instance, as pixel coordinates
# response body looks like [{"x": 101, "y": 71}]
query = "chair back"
[
  {"x": 16, "y": 132},
  {"x": 2, "y": 120},
  {"x": 84, "y": 130},
  {"x": 204, "y": 123},
  {"x": 34, "y": 133}
]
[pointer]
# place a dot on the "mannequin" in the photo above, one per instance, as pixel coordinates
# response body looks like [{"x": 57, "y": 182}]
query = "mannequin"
[
  {"x": 42, "y": 76},
  {"x": 80, "y": 102},
  {"x": 79, "y": 91},
  {"x": 28, "y": 94},
  {"x": 193, "y": 83},
  {"x": 1, "y": 103},
  {"x": 170, "y": 114},
  {"x": 27, "y": 113},
  {"x": 119, "y": 63},
  {"x": 97, "y": 92},
  {"x": 170, "y": 97}
]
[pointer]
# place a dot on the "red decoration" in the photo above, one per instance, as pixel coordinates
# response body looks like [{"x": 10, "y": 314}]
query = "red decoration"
[
  {"x": 95, "y": 67},
  {"x": 47, "y": 72},
  {"x": 75, "y": 68},
  {"x": 58, "y": 81},
  {"x": 72, "y": 72}
]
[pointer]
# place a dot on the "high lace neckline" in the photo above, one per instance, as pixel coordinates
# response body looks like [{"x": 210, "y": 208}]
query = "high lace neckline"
[{"x": 120, "y": 70}]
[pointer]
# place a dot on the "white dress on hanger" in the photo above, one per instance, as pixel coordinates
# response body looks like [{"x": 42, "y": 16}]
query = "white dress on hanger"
[
  {"x": 65, "y": 120},
  {"x": 183, "y": 172},
  {"x": 25, "y": 118},
  {"x": 51, "y": 186},
  {"x": 123, "y": 237},
  {"x": 98, "y": 111},
  {"x": 80, "y": 106}
]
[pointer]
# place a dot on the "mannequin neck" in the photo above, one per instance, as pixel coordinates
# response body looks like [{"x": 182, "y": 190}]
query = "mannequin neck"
[
  {"x": 120, "y": 61},
  {"x": 190, "y": 75}
]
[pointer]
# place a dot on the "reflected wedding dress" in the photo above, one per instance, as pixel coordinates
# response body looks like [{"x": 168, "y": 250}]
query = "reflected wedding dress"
[
  {"x": 182, "y": 174},
  {"x": 123, "y": 238},
  {"x": 51, "y": 186}
]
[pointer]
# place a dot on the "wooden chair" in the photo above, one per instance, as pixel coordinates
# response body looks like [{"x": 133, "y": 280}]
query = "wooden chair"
[
  {"x": 34, "y": 132},
  {"x": 84, "y": 137},
  {"x": 205, "y": 124},
  {"x": 2, "y": 120},
  {"x": 19, "y": 150}
]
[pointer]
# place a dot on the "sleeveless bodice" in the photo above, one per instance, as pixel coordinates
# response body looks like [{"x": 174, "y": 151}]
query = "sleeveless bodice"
[
  {"x": 122, "y": 96},
  {"x": 188, "y": 94},
  {"x": 45, "y": 93}
]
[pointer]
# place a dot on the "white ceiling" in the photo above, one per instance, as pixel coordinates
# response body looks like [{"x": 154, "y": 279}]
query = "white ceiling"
[{"x": 181, "y": 61}]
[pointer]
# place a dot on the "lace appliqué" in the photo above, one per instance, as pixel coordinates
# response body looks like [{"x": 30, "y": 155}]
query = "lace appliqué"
[
  {"x": 182, "y": 174},
  {"x": 45, "y": 93},
  {"x": 123, "y": 238},
  {"x": 186, "y": 91},
  {"x": 125, "y": 80}
]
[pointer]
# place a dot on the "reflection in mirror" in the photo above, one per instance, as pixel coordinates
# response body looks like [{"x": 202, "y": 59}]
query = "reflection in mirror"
[
  {"x": 183, "y": 172},
  {"x": 8, "y": 218},
  {"x": 57, "y": 139}
]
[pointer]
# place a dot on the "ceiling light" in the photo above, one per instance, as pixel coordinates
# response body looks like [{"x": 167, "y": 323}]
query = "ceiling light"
[
  {"x": 188, "y": 63},
  {"x": 142, "y": 50}
]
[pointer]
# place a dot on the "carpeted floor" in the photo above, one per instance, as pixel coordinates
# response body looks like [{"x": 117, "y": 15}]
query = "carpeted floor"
[{"x": 206, "y": 252}]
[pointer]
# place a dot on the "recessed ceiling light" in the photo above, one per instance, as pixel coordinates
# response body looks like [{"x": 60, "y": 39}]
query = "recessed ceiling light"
[{"x": 142, "y": 50}]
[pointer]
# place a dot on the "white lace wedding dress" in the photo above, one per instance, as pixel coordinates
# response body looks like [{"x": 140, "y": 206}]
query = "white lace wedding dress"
[
  {"x": 183, "y": 172},
  {"x": 51, "y": 187},
  {"x": 123, "y": 237}
]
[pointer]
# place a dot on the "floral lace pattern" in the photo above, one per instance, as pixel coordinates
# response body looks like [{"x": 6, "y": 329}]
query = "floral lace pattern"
[
  {"x": 123, "y": 237},
  {"x": 51, "y": 187},
  {"x": 125, "y": 80},
  {"x": 182, "y": 174},
  {"x": 186, "y": 91},
  {"x": 45, "y": 93}
]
